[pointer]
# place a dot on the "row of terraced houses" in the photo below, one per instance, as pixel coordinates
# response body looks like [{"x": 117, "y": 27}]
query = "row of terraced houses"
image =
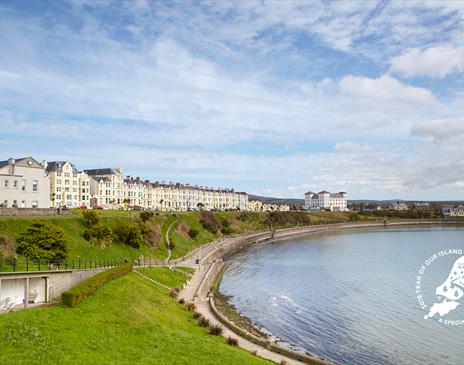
[{"x": 27, "y": 183}]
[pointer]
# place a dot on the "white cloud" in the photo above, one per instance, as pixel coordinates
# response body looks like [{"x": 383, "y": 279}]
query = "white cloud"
[
  {"x": 436, "y": 62},
  {"x": 440, "y": 130},
  {"x": 385, "y": 89}
]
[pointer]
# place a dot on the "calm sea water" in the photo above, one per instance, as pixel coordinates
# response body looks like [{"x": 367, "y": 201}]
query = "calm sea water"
[{"x": 350, "y": 297}]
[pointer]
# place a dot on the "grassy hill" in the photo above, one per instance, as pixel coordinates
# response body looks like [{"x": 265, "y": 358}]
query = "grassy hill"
[
  {"x": 208, "y": 226},
  {"x": 128, "y": 321}
]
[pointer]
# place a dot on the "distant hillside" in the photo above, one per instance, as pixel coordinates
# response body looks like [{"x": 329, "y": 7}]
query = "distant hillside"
[{"x": 300, "y": 202}]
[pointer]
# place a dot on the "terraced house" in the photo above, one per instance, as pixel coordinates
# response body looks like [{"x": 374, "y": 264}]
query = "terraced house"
[
  {"x": 64, "y": 184},
  {"x": 24, "y": 183}
]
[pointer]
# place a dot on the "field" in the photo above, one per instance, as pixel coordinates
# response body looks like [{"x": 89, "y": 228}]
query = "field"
[{"x": 128, "y": 321}]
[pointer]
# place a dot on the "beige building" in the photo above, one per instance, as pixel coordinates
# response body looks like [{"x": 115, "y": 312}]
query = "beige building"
[
  {"x": 107, "y": 188},
  {"x": 259, "y": 206},
  {"x": 84, "y": 189},
  {"x": 64, "y": 184},
  {"x": 24, "y": 183}
]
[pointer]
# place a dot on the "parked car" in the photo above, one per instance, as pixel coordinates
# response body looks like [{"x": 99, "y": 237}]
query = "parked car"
[
  {"x": 97, "y": 207},
  {"x": 83, "y": 207}
]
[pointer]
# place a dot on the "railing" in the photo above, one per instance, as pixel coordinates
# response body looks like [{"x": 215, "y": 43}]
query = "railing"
[{"x": 27, "y": 265}]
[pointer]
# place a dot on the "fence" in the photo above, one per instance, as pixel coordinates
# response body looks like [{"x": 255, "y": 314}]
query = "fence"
[{"x": 27, "y": 265}]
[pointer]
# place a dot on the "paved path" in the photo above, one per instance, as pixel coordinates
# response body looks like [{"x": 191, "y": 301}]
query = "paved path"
[{"x": 188, "y": 294}]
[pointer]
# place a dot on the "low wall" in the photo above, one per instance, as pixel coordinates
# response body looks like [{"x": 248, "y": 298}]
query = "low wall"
[
  {"x": 307, "y": 359},
  {"x": 31, "y": 212},
  {"x": 46, "y": 284}
]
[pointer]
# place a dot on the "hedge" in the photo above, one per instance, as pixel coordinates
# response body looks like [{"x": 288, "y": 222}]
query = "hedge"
[{"x": 86, "y": 288}]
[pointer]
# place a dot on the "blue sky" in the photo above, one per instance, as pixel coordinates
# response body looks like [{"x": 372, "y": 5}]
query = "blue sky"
[{"x": 270, "y": 97}]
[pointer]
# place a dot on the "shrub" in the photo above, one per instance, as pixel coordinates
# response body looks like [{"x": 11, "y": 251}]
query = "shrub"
[
  {"x": 232, "y": 341},
  {"x": 196, "y": 315},
  {"x": 193, "y": 233},
  {"x": 101, "y": 236},
  {"x": 209, "y": 222},
  {"x": 130, "y": 235},
  {"x": 174, "y": 292},
  {"x": 254, "y": 353},
  {"x": 146, "y": 216},
  {"x": 215, "y": 330},
  {"x": 203, "y": 322},
  {"x": 42, "y": 241},
  {"x": 91, "y": 217},
  {"x": 7, "y": 246},
  {"x": 190, "y": 307},
  {"x": 182, "y": 301},
  {"x": 283, "y": 362},
  {"x": 86, "y": 288}
]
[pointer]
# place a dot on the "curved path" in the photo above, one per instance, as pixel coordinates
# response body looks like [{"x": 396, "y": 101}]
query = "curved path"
[{"x": 216, "y": 250}]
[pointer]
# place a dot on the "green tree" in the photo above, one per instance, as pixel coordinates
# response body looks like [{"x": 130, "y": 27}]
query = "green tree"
[
  {"x": 42, "y": 241},
  {"x": 146, "y": 215},
  {"x": 101, "y": 236},
  {"x": 91, "y": 217}
]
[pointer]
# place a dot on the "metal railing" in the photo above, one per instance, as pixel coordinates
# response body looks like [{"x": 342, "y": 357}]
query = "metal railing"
[{"x": 29, "y": 265}]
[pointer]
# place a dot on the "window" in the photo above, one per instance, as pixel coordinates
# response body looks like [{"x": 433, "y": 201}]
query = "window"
[
  {"x": 15, "y": 204},
  {"x": 35, "y": 204},
  {"x": 58, "y": 189},
  {"x": 15, "y": 184},
  {"x": 69, "y": 197},
  {"x": 23, "y": 186},
  {"x": 66, "y": 182},
  {"x": 35, "y": 185},
  {"x": 67, "y": 174},
  {"x": 58, "y": 173},
  {"x": 75, "y": 190},
  {"x": 5, "y": 184},
  {"x": 66, "y": 189},
  {"x": 58, "y": 181},
  {"x": 23, "y": 204}
]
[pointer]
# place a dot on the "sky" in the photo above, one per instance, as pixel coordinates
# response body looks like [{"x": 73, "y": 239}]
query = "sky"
[{"x": 274, "y": 98}]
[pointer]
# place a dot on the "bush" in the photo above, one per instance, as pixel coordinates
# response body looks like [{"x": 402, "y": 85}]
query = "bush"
[
  {"x": 191, "y": 307},
  {"x": 203, "y": 322},
  {"x": 101, "y": 236},
  {"x": 146, "y": 216},
  {"x": 196, "y": 315},
  {"x": 91, "y": 217},
  {"x": 215, "y": 330},
  {"x": 42, "y": 241},
  {"x": 209, "y": 222},
  {"x": 182, "y": 301},
  {"x": 283, "y": 362},
  {"x": 232, "y": 341},
  {"x": 7, "y": 246},
  {"x": 130, "y": 235},
  {"x": 192, "y": 233},
  {"x": 86, "y": 288},
  {"x": 174, "y": 292}
]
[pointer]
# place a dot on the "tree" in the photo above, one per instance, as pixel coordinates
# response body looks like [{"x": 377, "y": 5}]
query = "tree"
[
  {"x": 42, "y": 241},
  {"x": 91, "y": 217},
  {"x": 146, "y": 216},
  {"x": 101, "y": 236}
]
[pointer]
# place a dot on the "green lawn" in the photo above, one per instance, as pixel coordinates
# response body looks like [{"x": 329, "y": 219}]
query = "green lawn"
[
  {"x": 128, "y": 321},
  {"x": 164, "y": 275}
]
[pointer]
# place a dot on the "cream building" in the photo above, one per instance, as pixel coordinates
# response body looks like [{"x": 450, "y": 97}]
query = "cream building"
[
  {"x": 24, "y": 183},
  {"x": 107, "y": 188},
  {"x": 64, "y": 184},
  {"x": 259, "y": 206},
  {"x": 326, "y": 201},
  {"x": 84, "y": 189}
]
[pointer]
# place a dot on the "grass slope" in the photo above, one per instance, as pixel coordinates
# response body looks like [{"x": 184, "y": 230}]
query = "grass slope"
[{"x": 129, "y": 320}]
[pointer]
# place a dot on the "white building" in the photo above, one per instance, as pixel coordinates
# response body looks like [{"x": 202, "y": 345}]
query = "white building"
[
  {"x": 24, "y": 183},
  {"x": 326, "y": 201}
]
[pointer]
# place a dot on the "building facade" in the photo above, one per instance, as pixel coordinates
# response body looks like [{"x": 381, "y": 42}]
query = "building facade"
[
  {"x": 24, "y": 183},
  {"x": 64, "y": 184},
  {"x": 326, "y": 201}
]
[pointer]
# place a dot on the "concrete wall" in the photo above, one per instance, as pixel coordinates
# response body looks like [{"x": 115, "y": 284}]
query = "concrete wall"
[
  {"x": 31, "y": 212},
  {"x": 47, "y": 284}
]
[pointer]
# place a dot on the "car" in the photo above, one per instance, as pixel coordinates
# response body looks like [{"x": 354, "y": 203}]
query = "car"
[
  {"x": 97, "y": 207},
  {"x": 83, "y": 207}
]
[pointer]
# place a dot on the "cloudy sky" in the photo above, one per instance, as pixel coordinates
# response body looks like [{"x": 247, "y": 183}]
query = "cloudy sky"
[{"x": 270, "y": 97}]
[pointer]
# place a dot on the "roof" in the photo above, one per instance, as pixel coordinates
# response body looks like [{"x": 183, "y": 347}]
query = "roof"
[
  {"x": 98, "y": 172},
  {"x": 57, "y": 165},
  {"x": 22, "y": 159},
  {"x": 324, "y": 192}
]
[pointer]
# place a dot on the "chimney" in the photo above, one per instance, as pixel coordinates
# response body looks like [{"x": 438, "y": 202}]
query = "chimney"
[
  {"x": 44, "y": 164},
  {"x": 11, "y": 166}
]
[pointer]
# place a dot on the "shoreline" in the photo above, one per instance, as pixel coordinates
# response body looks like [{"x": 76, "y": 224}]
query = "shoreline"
[{"x": 282, "y": 234}]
